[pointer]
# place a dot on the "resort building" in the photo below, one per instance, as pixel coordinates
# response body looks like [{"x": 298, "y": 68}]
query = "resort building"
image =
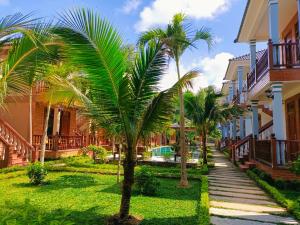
[{"x": 266, "y": 84}]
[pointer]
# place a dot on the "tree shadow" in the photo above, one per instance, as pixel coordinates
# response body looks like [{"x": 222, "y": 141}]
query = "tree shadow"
[
  {"x": 65, "y": 181},
  {"x": 168, "y": 189},
  {"x": 27, "y": 213},
  {"x": 189, "y": 220}
]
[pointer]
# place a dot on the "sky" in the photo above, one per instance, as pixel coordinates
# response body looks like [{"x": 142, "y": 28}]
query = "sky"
[{"x": 131, "y": 17}]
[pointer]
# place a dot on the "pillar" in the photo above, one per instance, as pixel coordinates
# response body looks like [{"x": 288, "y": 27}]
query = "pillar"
[
  {"x": 254, "y": 108},
  {"x": 231, "y": 92},
  {"x": 242, "y": 127},
  {"x": 252, "y": 55},
  {"x": 274, "y": 21},
  {"x": 56, "y": 121},
  {"x": 278, "y": 128},
  {"x": 234, "y": 128},
  {"x": 248, "y": 125}
]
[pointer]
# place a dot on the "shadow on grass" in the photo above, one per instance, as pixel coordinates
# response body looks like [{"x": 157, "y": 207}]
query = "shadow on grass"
[
  {"x": 65, "y": 181},
  {"x": 26, "y": 213},
  {"x": 168, "y": 189}
]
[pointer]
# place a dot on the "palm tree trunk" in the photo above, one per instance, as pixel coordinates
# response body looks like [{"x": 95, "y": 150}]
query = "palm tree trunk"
[
  {"x": 183, "y": 178},
  {"x": 30, "y": 116},
  {"x": 204, "y": 148},
  {"x": 44, "y": 137},
  {"x": 119, "y": 163},
  {"x": 128, "y": 181}
]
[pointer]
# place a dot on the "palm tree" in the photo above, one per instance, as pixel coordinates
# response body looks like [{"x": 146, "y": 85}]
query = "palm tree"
[
  {"x": 63, "y": 87},
  {"x": 205, "y": 112},
  {"x": 178, "y": 37},
  {"x": 121, "y": 96}
]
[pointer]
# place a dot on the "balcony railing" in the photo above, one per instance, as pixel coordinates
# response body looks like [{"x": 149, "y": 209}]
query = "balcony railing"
[{"x": 278, "y": 56}]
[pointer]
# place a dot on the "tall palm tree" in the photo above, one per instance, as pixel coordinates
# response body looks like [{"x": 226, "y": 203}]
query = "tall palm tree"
[
  {"x": 205, "y": 112},
  {"x": 178, "y": 37},
  {"x": 121, "y": 96}
]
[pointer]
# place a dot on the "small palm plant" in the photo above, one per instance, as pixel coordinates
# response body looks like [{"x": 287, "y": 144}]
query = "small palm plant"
[
  {"x": 177, "y": 38},
  {"x": 205, "y": 112},
  {"x": 121, "y": 95}
]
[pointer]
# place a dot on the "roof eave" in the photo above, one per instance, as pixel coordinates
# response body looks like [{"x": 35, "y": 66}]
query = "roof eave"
[{"x": 242, "y": 23}]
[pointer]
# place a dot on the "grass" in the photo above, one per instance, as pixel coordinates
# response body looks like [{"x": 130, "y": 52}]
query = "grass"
[
  {"x": 80, "y": 198},
  {"x": 286, "y": 198},
  {"x": 203, "y": 211}
]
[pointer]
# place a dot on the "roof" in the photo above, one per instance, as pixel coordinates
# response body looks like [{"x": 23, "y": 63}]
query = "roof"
[
  {"x": 259, "y": 54},
  {"x": 243, "y": 20}
]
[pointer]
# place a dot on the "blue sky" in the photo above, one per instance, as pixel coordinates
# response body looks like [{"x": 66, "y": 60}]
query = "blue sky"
[{"x": 131, "y": 17}]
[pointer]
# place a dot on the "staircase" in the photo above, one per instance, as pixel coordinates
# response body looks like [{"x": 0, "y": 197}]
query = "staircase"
[
  {"x": 241, "y": 150},
  {"x": 15, "y": 149}
]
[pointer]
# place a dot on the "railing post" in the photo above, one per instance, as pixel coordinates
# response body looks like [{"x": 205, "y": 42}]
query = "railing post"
[
  {"x": 273, "y": 150},
  {"x": 254, "y": 146},
  {"x": 270, "y": 53}
]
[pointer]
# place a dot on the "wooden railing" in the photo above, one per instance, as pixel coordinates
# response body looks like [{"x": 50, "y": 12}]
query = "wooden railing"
[
  {"x": 291, "y": 150},
  {"x": 278, "y": 56},
  {"x": 13, "y": 138},
  {"x": 61, "y": 142},
  {"x": 262, "y": 151},
  {"x": 266, "y": 131}
]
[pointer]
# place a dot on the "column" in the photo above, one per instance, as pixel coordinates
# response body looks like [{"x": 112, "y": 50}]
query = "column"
[
  {"x": 278, "y": 118},
  {"x": 242, "y": 128},
  {"x": 274, "y": 21},
  {"x": 56, "y": 121},
  {"x": 254, "y": 108},
  {"x": 234, "y": 128},
  {"x": 298, "y": 6},
  {"x": 230, "y": 91},
  {"x": 252, "y": 55},
  {"x": 274, "y": 27},
  {"x": 248, "y": 125}
]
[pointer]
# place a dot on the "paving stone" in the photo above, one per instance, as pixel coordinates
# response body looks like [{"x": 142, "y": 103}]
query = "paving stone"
[
  {"x": 233, "y": 180},
  {"x": 239, "y": 195},
  {"x": 229, "y": 221},
  {"x": 248, "y": 207},
  {"x": 218, "y": 184},
  {"x": 236, "y": 190},
  {"x": 262, "y": 217},
  {"x": 241, "y": 200}
]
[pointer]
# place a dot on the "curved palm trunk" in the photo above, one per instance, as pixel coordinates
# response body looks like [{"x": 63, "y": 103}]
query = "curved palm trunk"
[
  {"x": 44, "y": 137},
  {"x": 128, "y": 165},
  {"x": 183, "y": 178}
]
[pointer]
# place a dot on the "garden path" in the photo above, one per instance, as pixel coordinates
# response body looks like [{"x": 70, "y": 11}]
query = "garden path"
[{"x": 236, "y": 200}]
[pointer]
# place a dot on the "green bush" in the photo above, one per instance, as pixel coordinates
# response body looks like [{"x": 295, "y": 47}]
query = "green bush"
[
  {"x": 296, "y": 166},
  {"x": 36, "y": 173},
  {"x": 145, "y": 182},
  {"x": 100, "y": 153},
  {"x": 167, "y": 155},
  {"x": 203, "y": 205},
  {"x": 280, "y": 184},
  {"x": 205, "y": 170}
]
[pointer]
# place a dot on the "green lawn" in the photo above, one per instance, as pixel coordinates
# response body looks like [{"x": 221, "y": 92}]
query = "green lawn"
[{"x": 79, "y": 198}]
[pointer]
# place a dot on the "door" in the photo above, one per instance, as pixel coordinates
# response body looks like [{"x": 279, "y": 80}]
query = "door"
[
  {"x": 291, "y": 121},
  {"x": 65, "y": 123}
]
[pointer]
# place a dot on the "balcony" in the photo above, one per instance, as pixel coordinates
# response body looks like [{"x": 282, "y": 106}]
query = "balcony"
[{"x": 277, "y": 58}]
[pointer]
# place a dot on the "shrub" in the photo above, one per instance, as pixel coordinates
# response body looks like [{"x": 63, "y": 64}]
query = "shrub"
[
  {"x": 296, "y": 166},
  {"x": 100, "y": 153},
  {"x": 280, "y": 184},
  {"x": 147, "y": 154},
  {"x": 145, "y": 182},
  {"x": 205, "y": 170},
  {"x": 167, "y": 155},
  {"x": 203, "y": 205},
  {"x": 36, "y": 173}
]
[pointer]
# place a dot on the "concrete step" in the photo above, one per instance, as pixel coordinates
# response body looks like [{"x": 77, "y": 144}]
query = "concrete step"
[
  {"x": 231, "y": 185},
  {"x": 242, "y": 200},
  {"x": 237, "y": 190},
  {"x": 240, "y": 195}
]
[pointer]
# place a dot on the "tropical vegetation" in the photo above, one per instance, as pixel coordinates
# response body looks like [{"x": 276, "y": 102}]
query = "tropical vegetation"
[{"x": 177, "y": 38}]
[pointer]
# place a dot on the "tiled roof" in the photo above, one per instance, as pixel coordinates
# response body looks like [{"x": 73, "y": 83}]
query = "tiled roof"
[{"x": 247, "y": 56}]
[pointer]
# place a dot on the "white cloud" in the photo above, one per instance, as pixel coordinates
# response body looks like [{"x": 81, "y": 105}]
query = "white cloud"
[
  {"x": 4, "y": 2},
  {"x": 160, "y": 12},
  {"x": 130, "y": 5},
  {"x": 212, "y": 72}
]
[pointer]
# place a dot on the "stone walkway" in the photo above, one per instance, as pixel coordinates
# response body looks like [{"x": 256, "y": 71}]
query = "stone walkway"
[{"x": 236, "y": 200}]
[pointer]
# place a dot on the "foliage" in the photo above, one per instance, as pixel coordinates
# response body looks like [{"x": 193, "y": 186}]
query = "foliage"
[
  {"x": 36, "y": 173},
  {"x": 99, "y": 152},
  {"x": 145, "y": 182},
  {"x": 147, "y": 154},
  {"x": 292, "y": 206},
  {"x": 167, "y": 155},
  {"x": 296, "y": 166},
  {"x": 63, "y": 199},
  {"x": 203, "y": 205}
]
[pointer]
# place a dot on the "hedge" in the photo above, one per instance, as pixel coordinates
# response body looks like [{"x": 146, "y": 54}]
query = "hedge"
[
  {"x": 291, "y": 207},
  {"x": 203, "y": 204}
]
